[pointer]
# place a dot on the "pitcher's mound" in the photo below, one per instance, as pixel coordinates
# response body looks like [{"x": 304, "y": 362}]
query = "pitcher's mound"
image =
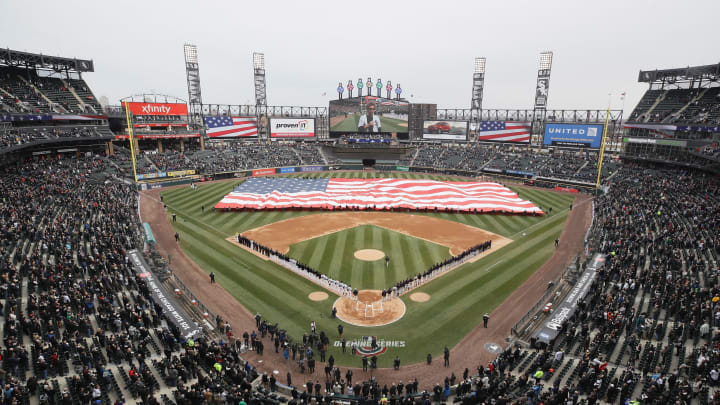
[
  {"x": 369, "y": 255},
  {"x": 420, "y": 297},
  {"x": 318, "y": 296},
  {"x": 369, "y": 309}
]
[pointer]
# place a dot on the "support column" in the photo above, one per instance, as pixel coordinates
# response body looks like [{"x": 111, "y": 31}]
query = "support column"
[
  {"x": 110, "y": 149},
  {"x": 182, "y": 146},
  {"x": 159, "y": 146},
  {"x": 202, "y": 143}
]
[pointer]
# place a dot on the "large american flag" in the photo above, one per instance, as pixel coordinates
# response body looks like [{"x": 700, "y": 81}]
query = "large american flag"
[
  {"x": 504, "y": 131},
  {"x": 369, "y": 194},
  {"x": 230, "y": 127}
]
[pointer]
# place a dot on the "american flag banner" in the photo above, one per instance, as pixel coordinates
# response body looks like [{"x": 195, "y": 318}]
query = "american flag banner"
[
  {"x": 375, "y": 194},
  {"x": 230, "y": 127},
  {"x": 505, "y": 131}
]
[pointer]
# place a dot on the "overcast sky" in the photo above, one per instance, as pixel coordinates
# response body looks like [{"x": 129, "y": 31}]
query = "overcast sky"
[{"x": 427, "y": 46}]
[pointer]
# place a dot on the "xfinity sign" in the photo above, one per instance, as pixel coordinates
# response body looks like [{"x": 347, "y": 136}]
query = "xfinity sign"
[
  {"x": 573, "y": 135},
  {"x": 157, "y": 108}
]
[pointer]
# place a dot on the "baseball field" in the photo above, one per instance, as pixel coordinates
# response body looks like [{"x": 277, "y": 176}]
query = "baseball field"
[
  {"x": 350, "y": 124},
  {"x": 457, "y": 300}
]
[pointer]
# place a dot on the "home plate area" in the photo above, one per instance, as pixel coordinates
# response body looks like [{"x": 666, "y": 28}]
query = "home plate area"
[{"x": 369, "y": 309}]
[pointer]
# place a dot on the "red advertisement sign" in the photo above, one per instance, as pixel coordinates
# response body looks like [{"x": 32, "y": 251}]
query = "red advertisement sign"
[
  {"x": 566, "y": 189},
  {"x": 157, "y": 108},
  {"x": 159, "y": 125},
  {"x": 159, "y": 136},
  {"x": 263, "y": 172}
]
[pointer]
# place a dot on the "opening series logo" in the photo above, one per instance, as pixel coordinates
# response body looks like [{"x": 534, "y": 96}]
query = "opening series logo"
[{"x": 365, "y": 348}]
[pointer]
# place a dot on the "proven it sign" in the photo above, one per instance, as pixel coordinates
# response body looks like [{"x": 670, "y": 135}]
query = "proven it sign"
[
  {"x": 157, "y": 108},
  {"x": 292, "y": 128}
]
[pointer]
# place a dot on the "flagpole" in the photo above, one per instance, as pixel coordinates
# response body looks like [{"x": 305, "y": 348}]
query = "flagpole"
[
  {"x": 602, "y": 149},
  {"x": 128, "y": 117}
]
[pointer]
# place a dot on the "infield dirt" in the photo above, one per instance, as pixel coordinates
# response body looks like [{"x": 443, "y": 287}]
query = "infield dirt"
[{"x": 456, "y": 236}]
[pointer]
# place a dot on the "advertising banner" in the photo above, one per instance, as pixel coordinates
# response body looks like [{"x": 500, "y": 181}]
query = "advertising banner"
[
  {"x": 520, "y": 173},
  {"x": 292, "y": 127},
  {"x": 178, "y": 173},
  {"x": 156, "y": 108},
  {"x": 477, "y": 90},
  {"x": 288, "y": 169},
  {"x": 402, "y": 168},
  {"x": 541, "y": 91},
  {"x": 566, "y": 189},
  {"x": 312, "y": 168},
  {"x": 160, "y": 175},
  {"x": 263, "y": 172},
  {"x": 445, "y": 130},
  {"x": 653, "y": 141},
  {"x": 573, "y": 135},
  {"x": 492, "y": 170},
  {"x": 159, "y": 136},
  {"x": 171, "y": 310},
  {"x": 551, "y": 327}
]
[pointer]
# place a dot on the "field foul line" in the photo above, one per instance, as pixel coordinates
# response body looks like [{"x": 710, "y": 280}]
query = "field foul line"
[
  {"x": 496, "y": 263},
  {"x": 548, "y": 219},
  {"x": 201, "y": 222}
]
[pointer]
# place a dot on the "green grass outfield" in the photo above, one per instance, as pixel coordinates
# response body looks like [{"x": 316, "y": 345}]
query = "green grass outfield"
[
  {"x": 334, "y": 255},
  {"x": 350, "y": 124},
  {"x": 458, "y": 299}
]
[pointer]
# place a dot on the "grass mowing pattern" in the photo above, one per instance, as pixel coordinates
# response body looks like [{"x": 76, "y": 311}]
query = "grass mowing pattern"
[
  {"x": 334, "y": 255},
  {"x": 458, "y": 299}
]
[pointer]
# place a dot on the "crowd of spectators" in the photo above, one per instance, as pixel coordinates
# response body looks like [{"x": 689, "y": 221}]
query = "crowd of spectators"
[
  {"x": 79, "y": 325},
  {"x": 679, "y": 106},
  {"x": 14, "y": 136},
  {"x": 26, "y": 92},
  {"x": 648, "y": 329}
]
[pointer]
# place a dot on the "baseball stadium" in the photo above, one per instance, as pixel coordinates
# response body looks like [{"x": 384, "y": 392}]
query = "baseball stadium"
[{"x": 372, "y": 248}]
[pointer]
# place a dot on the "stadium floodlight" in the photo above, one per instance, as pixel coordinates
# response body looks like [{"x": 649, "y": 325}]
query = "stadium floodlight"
[
  {"x": 546, "y": 60},
  {"x": 258, "y": 60},
  {"x": 479, "y": 65},
  {"x": 191, "y": 55}
]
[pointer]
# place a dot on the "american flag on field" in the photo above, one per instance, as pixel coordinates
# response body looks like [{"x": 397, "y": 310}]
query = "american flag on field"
[
  {"x": 370, "y": 194},
  {"x": 230, "y": 127},
  {"x": 505, "y": 131}
]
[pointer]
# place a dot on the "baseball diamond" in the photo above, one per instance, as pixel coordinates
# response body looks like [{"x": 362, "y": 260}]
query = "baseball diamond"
[
  {"x": 459, "y": 298},
  {"x": 394, "y": 211}
]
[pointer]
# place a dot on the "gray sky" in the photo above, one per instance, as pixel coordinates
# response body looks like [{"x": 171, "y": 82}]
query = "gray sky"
[{"x": 427, "y": 46}]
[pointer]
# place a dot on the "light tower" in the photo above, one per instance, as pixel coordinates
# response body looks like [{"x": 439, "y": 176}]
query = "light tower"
[
  {"x": 542, "y": 89},
  {"x": 192, "y": 70},
  {"x": 259, "y": 71},
  {"x": 477, "y": 94}
]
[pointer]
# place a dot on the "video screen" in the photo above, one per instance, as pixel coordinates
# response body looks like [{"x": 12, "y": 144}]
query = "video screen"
[
  {"x": 369, "y": 115},
  {"x": 445, "y": 130}
]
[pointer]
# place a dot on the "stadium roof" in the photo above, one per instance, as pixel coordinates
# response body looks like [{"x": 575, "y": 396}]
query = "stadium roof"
[
  {"x": 9, "y": 57},
  {"x": 706, "y": 72}
]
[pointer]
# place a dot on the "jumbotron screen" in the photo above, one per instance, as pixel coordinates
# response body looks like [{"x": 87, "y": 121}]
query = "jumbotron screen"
[{"x": 369, "y": 115}]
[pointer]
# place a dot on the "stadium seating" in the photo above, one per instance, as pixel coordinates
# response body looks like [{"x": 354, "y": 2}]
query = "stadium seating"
[
  {"x": 37, "y": 134},
  {"x": 62, "y": 252},
  {"x": 23, "y": 91},
  {"x": 679, "y": 106}
]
